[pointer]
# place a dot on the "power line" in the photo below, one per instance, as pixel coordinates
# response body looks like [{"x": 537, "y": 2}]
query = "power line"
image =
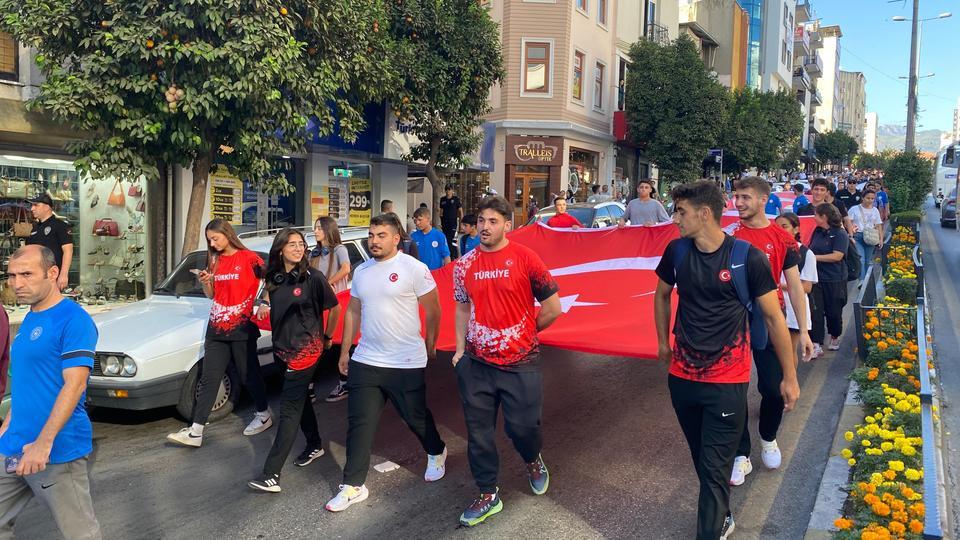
[{"x": 871, "y": 66}]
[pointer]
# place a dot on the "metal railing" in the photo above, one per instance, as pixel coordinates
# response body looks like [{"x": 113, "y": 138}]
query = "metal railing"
[
  {"x": 657, "y": 34},
  {"x": 932, "y": 526}
]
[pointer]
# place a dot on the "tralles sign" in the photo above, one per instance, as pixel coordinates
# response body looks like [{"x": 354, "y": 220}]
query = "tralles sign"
[{"x": 538, "y": 151}]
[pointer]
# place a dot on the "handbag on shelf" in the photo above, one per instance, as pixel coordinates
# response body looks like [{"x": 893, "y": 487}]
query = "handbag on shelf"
[
  {"x": 136, "y": 190},
  {"x": 22, "y": 225},
  {"x": 116, "y": 197},
  {"x": 15, "y": 189},
  {"x": 106, "y": 227},
  {"x": 141, "y": 205}
]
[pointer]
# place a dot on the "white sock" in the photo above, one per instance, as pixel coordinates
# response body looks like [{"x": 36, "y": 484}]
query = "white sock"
[{"x": 197, "y": 429}]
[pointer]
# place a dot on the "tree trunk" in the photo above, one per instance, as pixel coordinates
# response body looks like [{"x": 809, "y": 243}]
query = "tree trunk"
[
  {"x": 434, "y": 178},
  {"x": 198, "y": 196}
]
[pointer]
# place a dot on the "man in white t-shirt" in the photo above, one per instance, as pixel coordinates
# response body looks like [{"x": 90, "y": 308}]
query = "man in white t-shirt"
[{"x": 391, "y": 357}]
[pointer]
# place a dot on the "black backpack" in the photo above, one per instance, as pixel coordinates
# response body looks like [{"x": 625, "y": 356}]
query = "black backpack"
[{"x": 853, "y": 262}]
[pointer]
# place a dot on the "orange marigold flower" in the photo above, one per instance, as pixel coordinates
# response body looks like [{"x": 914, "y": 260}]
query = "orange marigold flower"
[
  {"x": 897, "y": 528},
  {"x": 881, "y": 509},
  {"x": 917, "y": 510},
  {"x": 916, "y": 527},
  {"x": 843, "y": 524}
]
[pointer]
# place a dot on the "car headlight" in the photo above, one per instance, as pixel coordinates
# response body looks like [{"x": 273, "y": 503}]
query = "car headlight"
[
  {"x": 111, "y": 365},
  {"x": 129, "y": 367}
]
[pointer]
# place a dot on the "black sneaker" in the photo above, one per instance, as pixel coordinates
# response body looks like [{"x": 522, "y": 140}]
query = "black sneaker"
[
  {"x": 311, "y": 394},
  {"x": 728, "y": 527},
  {"x": 269, "y": 484},
  {"x": 338, "y": 393},
  {"x": 308, "y": 456}
]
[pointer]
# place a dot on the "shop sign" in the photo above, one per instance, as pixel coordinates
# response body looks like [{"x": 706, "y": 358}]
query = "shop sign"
[
  {"x": 226, "y": 198},
  {"x": 534, "y": 150},
  {"x": 361, "y": 199}
]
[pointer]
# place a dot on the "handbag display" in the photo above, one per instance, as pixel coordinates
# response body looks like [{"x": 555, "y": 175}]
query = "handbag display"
[
  {"x": 106, "y": 227},
  {"x": 871, "y": 236},
  {"x": 141, "y": 206},
  {"x": 136, "y": 190},
  {"x": 116, "y": 197},
  {"x": 16, "y": 189},
  {"x": 22, "y": 225}
]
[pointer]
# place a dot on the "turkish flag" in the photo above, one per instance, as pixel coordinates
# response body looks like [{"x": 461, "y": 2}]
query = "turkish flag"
[{"x": 607, "y": 282}]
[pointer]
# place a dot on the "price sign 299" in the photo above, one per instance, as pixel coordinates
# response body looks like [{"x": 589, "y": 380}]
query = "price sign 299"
[{"x": 360, "y": 202}]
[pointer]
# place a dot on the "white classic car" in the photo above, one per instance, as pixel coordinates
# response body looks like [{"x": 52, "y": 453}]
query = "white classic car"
[{"x": 149, "y": 352}]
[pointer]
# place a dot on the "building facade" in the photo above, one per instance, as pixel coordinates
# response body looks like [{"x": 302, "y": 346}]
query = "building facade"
[
  {"x": 852, "y": 106},
  {"x": 776, "y": 65},
  {"x": 720, "y": 29},
  {"x": 807, "y": 69},
  {"x": 826, "y": 114},
  {"x": 870, "y": 125}
]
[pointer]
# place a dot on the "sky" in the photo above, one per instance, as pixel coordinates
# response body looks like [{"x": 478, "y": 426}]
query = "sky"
[{"x": 880, "y": 48}]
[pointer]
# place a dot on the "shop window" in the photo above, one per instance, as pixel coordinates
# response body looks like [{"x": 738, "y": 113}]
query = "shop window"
[
  {"x": 578, "y": 60},
  {"x": 602, "y": 12},
  {"x": 9, "y": 54},
  {"x": 346, "y": 197},
  {"x": 598, "y": 86},
  {"x": 536, "y": 72},
  {"x": 582, "y": 5}
]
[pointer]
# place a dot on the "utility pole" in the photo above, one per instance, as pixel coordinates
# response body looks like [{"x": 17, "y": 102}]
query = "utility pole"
[{"x": 912, "y": 90}]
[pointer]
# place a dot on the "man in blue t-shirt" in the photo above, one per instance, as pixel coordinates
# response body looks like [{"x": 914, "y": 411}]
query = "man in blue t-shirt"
[
  {"x": 431, "y": 243},
  {"x": 774, "y": 207},
  {"x": 801, "y": 200},
  {"x": 46, "y": 436}
]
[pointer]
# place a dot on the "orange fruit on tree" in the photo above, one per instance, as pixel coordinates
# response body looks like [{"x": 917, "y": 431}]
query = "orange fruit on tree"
[
  {"x": 150, "y": 44},
  {"x": 283, "y": 11}
]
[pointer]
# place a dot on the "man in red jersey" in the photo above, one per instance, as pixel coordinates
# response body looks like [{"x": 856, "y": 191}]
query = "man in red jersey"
[
  {"x": 562, "y": 219},
  {"x": 497, "y": 358},
  {"x": 710, "y": 359},
  {"x": 783, "y": 255}
]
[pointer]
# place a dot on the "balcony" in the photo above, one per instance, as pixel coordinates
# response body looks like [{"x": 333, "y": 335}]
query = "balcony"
[
  {"x": 657, "y": 34},
  {"x": 815, "y": 97},
  {"x": 804, "y": 11},
  {"x": 801, "y": 40},
  {"x": 816, "y": 40},
  {"x": 813, "y": 64},
  {"x": 801, "y": 80}
]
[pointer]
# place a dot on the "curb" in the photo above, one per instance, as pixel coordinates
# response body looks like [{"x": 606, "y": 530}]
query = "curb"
[{"x": 836, "y": 476}]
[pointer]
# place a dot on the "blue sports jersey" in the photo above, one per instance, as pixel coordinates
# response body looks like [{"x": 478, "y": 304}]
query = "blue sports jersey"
[
  {"x": 470, "y": 242},
  {"x": 799, "y": 203},
  {"x": 48, "y": 342},
  {"x": 774, "y": 206},
  {"x": 432, "y": 247}
]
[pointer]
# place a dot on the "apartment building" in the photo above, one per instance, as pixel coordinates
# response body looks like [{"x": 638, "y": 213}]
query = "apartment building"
[
  {"x": 776, "y": 66},
  {"x": 720, "y": 29},
  {"x": 826, "y": 115},
  {"x": 870, "y": 124},
  {"x": 853, "y": 103},
  {"x": 807, "y": 68}
]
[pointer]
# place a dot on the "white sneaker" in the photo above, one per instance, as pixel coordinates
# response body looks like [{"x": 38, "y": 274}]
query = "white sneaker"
[
  {"x": 259, "y": 424},
  {"x": 834, "y": 344},
  {"x": 771, "y": 454},
  {"x": 185, "y": 437},
  {"x": 817, "y": 350},
  {"x": 436, "y": 466},
  {"x": 728, "y": 527},
  {"x": 348, "y": 495},
  {"x": 741, "y": 468}
]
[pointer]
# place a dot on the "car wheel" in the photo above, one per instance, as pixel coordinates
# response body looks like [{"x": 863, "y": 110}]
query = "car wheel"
[{"x": 227, "y": 394}]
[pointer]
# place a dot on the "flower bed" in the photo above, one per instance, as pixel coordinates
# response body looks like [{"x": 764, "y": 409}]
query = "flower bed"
[{"x": 884, "y": 454}]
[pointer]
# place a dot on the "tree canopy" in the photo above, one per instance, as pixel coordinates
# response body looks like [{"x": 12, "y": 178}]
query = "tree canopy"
[
  {"x": 674, "y": 108},
  {"x": 448, "y": 55},
  {"x": 909, "y": 178},
  {"x": 835, "y": 147},
  {"x": 203, "y": 82},
  {"x": 760, "y": 128}
]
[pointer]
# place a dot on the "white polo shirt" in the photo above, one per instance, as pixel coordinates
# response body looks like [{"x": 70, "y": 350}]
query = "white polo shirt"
[{"x": 389, "y": 293}]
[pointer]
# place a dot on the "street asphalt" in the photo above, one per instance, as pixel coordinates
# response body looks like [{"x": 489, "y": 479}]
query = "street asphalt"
[
  {"x": 941, "y": 270},
  {"x": 619, "y": 467}
]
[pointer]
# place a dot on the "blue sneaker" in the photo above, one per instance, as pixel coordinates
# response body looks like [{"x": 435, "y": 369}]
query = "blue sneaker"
[
  {"x": 484, "y": 506},
  {"x": 538, "y": 475}
]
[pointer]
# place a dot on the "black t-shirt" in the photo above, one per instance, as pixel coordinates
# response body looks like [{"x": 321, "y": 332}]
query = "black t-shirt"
[
  {"x": 808, "y": 210},
  {"x": 296, "y": 318},
  {"x": 53, "y": 234},
  {"x": 849, "y": 199},
  {"x": 448, "y": 210},
  {"x": 711, "y": 322},
  {"x": 825, "y": 242}
]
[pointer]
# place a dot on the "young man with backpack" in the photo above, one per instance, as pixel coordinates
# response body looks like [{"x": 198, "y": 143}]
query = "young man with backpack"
[
  {"x": 722, "y": 283},
  {"x": 783, "y": 254}
]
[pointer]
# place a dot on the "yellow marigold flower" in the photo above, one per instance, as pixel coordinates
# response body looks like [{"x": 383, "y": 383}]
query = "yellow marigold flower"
[
  {"x": 895, "y": 465},
  {"x": 886, "y": 446},
  {"x": 913, "y": 475},
  {"x": 848, "y": 435},
  {"x": 908, "y": 451},
  {"x": 851, "y": 462},
  {"x": 865, "y": 442},
  {"x": 846, "y": 453},
  {"x": 876, "y": 479},
  {"x": 871, "y": 420}
]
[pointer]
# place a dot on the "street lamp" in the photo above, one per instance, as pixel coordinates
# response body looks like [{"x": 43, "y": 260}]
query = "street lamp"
[{"x": 914, "y": 68}]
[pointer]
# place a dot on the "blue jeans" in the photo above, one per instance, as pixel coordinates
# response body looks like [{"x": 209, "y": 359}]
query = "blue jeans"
[{"x": 866, "y": 254}]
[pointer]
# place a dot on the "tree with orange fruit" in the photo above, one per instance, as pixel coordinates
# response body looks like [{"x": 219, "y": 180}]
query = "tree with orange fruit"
[{"x": 203, "y": 83}]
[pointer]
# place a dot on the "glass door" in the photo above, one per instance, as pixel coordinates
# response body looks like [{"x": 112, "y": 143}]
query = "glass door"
[{"x": 530, "y": 186}]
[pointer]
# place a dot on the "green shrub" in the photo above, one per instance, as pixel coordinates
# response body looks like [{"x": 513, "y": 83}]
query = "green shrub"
[
  {"x": 903, "y": 289},
  {"x": 907, "y": 218},
  {"x": 909, "y": 179}
]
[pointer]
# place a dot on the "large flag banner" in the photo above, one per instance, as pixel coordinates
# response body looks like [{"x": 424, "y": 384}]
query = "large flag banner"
[{"x": 607, "y": 282}]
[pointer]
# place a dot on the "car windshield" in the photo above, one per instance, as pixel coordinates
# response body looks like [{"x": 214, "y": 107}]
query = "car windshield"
[
  {"x": 584, "y": 215},
  {"x": 183, "y": 282}
]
